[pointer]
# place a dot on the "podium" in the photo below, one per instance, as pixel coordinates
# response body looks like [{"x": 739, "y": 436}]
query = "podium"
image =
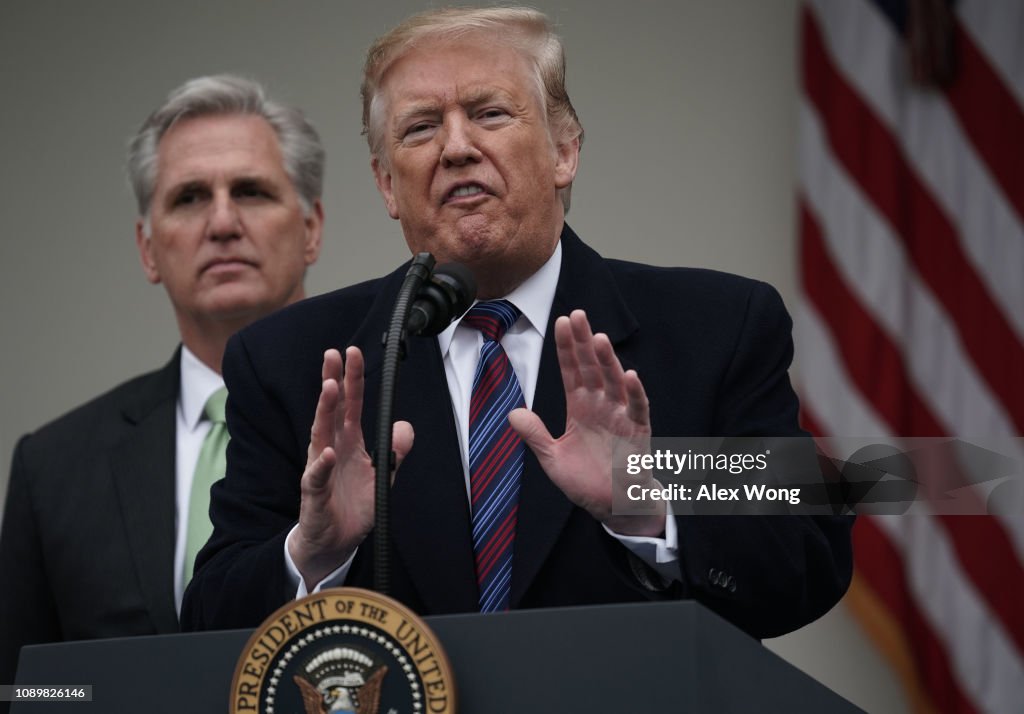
[{"x": 613, "y": 659}]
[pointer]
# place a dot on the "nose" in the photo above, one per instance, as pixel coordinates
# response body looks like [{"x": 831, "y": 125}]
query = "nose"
[
  {"x": 224, "y": 221},
  {"x": 458, "y": 142}
]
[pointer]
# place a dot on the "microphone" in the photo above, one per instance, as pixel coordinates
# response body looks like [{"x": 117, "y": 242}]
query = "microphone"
[
  {"x": 440, "y": 298},
  {"x": 446, "y": 296}
]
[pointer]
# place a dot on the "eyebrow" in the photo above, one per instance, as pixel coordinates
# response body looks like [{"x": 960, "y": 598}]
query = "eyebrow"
[
  {"x": 416, "y": 110},
  {"x": 187, "y": 185},
  {"x": 482, "y": 95},
  {"x": 261, "y": 179},
  {"x": 178, "y": 189},
  {"x": 203, "y": 183},
  {"x": 470, "y": 98}
]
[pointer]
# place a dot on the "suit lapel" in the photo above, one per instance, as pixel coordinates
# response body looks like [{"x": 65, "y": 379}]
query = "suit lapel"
[
  {"x": 543, "y": 508},
  {"x": 584, "y": 282},
  {"x": 142, "y": 467}
]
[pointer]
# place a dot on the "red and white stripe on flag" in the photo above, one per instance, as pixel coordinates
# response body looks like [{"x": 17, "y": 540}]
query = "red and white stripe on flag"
[{"x": 911, "y": 221}]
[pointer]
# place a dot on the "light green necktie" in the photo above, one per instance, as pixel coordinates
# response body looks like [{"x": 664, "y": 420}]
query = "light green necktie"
[{"x": 210, "y": 467}]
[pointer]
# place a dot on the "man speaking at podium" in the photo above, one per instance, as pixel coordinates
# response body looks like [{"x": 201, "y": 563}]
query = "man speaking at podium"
[{"x": 474, "y": 147}]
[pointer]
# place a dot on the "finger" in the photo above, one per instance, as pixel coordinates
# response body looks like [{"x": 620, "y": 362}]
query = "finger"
[
  {"x": 611, "y": 370},
  {"x": 533, "y": 433},
  {"x": 353, "y": 385},
  {"x": 318, "y": 473},
  {"x": 566, "y": 354},
  {"x": 637, "y": 405},
  {"x": 332, "y": 366},
  {"x": 321, "y": 434},
  {"x": 402, "y": 438},
  {"x": 583, "y": 346}
]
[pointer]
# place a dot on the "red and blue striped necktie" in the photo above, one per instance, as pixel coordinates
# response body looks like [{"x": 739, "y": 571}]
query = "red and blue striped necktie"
[{"x": 495, "y": 454}]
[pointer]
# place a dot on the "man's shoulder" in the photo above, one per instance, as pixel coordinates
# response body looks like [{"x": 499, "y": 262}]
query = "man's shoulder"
[
  {"x": 340, "y": 311},
  {"x": 679, "y": 278},
  {"x": 97, "y": 423},
  {"x": 659, "y": 296},
  {"x": 697, "y": 288}
]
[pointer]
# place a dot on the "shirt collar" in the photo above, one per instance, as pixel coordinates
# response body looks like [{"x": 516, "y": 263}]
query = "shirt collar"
[
  {"x": 533, "y": 297},
  {"x": 198, "y": 382}
]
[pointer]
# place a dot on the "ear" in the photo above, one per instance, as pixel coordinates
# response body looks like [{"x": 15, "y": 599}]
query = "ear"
[
  {"x": 383, "y": 178},
  {"x": 314, "y": 232},
  {"x": 145, "y": 245},
  {"x": 567, "y": 159}
]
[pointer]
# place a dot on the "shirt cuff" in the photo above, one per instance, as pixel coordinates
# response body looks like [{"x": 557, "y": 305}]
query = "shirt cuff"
[
  {"x": 661, "y": 554},
  {"x": 335, "y": 578}
]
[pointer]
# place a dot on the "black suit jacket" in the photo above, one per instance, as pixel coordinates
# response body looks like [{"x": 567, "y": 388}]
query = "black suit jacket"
[
  {"x": 712, "y": 351},
  {"x": 87, "y": 547}
]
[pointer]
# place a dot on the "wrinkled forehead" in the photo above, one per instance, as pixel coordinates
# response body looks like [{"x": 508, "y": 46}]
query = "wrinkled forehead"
[
  {"x": 218, "y": 147},
  {"x": 479, "y": 64}
]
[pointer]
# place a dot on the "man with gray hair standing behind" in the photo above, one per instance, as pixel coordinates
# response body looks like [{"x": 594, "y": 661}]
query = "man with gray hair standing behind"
[{"x": 108, "y": 505}]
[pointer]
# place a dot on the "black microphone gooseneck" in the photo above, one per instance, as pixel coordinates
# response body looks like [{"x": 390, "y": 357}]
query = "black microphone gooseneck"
[
  {"x": 427, "y": 305},
  {"x": 383, "y": 456}
]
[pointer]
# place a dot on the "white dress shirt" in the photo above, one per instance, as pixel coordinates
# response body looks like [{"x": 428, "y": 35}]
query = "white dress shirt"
[
  {"x": 523, "y": 343},
  {"x": 198, "y": 382}
]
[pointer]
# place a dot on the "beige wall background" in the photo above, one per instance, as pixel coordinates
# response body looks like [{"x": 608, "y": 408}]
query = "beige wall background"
[{"x": 690, "y": 114}]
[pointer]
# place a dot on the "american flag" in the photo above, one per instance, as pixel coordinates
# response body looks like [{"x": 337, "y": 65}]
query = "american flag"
[{"x": 911, "y": 221}]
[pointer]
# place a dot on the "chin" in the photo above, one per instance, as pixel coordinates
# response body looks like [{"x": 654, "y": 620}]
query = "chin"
[
  {"x": 469, "y": 237},
  {"x": 238, "y": 303}
]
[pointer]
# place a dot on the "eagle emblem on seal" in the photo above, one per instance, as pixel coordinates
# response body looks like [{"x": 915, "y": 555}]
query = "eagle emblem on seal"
[{"x": 341, "y": 680}]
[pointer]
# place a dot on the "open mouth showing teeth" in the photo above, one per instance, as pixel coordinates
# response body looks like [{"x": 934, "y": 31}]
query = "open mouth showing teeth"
[{"x": 471, "y": 190}]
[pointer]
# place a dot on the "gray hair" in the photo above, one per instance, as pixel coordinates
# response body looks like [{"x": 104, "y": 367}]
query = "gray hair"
[
  {"x": 228, "y": 94},
  {"x": 527, "y": 30}
]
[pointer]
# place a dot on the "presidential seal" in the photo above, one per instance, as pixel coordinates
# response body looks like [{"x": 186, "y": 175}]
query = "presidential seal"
[{"x": 343, "y": 650}]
